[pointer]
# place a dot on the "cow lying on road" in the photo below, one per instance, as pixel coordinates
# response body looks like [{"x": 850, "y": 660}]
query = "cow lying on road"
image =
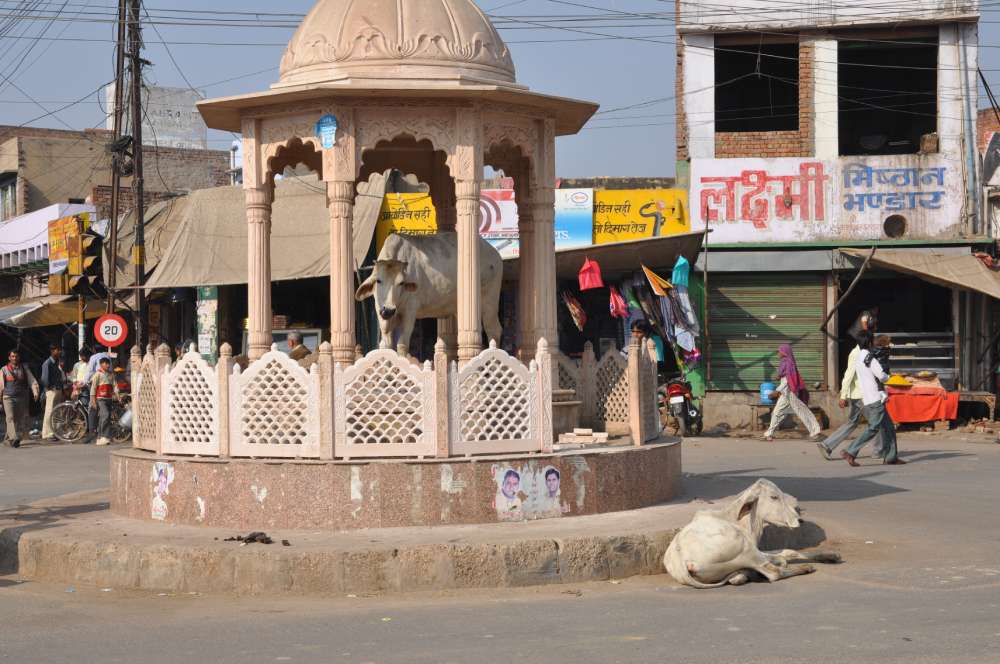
[
  {"x": 719, "y": 547},
  {"x": 417, "y": 277}
]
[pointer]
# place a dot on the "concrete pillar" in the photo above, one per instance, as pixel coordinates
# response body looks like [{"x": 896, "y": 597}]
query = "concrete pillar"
[
  {"x": 259, "y": 314},
  {"x": 825, "y": 97},
  {"x": 699, "y": 94},
  {"x": 340, "y": 205},
  {"x": 527, "y": 287},
  {"x": 544, "y": 270},
  {"x": 469, "y": 307}
]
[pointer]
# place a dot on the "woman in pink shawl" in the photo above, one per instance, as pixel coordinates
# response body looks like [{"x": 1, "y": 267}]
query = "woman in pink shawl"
[{"x": 792, "y": 396}]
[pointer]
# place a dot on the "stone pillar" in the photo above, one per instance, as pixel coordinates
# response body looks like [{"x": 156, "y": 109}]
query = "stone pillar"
[
  {"x": 258, "y": 204},
  {"x": 442, "y": 392},
  {"x": 135, "y": 362},
  {"x": 327, "y": 390},
  {"x": 340, "y": 204},
  {"x": 527, "y": 288},
  {"x": 470, "y": 315},
  {"x": 224, "y": 371},
  {"x": 544, "y": 269}
]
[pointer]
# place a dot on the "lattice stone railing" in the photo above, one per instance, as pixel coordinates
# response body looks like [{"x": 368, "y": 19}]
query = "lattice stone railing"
[
  {"x": 385, "y": 406},
  {"x": 611, "y": 393},
  {"x": 191, "y": 407},
  {"x": 275, "y": 409},
  {"x": 498, "y": 405},
  {"x": 567, "y": 372}
]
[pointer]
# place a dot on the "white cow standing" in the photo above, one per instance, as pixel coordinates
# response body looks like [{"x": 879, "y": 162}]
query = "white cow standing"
[
  {"x": 416, "y": 276},
  {"x": 719, "y": 547}
]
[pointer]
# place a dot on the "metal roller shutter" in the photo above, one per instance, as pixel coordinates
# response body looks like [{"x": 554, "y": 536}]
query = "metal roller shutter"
[{"x": 752, "y": 314}]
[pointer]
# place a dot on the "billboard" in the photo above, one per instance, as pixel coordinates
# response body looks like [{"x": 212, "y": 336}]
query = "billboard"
[
  {"x": 637, "y": 214},
  {"x": 574, "y": 218},
  {"x": 64, "y": 242},
  {"x": 409, "y": 214},
  {"x": 499, "y": 221},
  {"x": 852, "y": 198}
]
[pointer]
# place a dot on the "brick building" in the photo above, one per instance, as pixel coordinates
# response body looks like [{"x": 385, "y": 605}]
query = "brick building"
[
  {"x": 806, "y": 136},
  {"x": 49, "y": 173}
]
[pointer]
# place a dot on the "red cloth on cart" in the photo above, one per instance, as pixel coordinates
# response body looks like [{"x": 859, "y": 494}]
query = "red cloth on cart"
[{"x": 921, "y": 404}]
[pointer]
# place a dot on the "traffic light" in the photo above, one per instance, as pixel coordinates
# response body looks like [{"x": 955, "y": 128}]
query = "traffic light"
[{"x": 85, "y": 262}]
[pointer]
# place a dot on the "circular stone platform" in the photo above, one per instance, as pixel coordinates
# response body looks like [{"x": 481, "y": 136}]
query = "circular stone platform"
[{"x": 251, "y": 494}]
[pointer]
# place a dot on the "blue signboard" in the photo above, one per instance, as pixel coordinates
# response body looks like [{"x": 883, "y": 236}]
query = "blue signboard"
[{"x": 326, "y": 131}]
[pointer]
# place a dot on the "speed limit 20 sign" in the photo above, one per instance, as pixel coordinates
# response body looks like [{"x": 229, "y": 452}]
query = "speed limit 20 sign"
[{"x": 110, "y": 330}]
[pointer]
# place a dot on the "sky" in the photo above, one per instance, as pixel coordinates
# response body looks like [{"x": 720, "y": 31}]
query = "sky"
[{"x": 576, "y": 60}]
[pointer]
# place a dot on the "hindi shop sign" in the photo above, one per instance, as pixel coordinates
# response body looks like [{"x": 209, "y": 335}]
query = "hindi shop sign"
[
  {"x": 636, "y": 214},
  {"x": 409, "y": 214},
  {"x": 768, "y": 200},
  {"x": 64, "y": 241}
]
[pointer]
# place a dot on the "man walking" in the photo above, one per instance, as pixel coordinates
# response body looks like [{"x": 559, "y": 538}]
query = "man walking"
[
  {"x": 103, "y": 388},
  {"x": 53, "y": 381},
  {"x": 871, "y": 376},
  {"x": 18, "y": 383},
  {"x": 850, "y": 395}
]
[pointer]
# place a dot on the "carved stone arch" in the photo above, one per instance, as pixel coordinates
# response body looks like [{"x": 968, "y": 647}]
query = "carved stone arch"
[
  {"x": 519, "y": 132},
  {"x": 375, "y": 127},
  {"x": 295, "y": 151},
  {"x": 512, "y": 159}
]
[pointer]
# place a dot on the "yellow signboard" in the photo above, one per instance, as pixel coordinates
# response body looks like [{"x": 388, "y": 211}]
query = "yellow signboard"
[
  {"x": 636, "y": 214},
  {"x": 64, "y": 243},
  {"x": 407, "y": 214}
]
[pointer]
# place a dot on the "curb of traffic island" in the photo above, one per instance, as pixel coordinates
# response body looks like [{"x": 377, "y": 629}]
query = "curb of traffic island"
[{"x": 256, "y": 570}]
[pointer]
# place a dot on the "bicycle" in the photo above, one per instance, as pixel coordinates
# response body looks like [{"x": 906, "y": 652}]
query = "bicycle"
[{"x": 69, "y": 419}]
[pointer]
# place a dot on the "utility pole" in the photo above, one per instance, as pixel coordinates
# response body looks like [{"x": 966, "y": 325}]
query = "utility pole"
[
  {"x": 139, "y": 249},
  {"x": 116, "y": 153}
]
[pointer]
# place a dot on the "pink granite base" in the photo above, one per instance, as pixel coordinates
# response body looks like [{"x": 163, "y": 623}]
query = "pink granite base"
[{"x": 249, "y": 494}]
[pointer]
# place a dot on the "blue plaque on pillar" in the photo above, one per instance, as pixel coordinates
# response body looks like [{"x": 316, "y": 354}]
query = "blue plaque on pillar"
[{"x": 326, "y": 131}]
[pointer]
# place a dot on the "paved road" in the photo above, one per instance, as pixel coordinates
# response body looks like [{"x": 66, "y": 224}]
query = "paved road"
[
  {"x": 40, "y": 470},
  {"x": 921, "y": 584}
]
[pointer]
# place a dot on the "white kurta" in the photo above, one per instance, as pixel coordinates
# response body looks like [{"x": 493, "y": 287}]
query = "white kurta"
[{"x": 790, "y": 404}]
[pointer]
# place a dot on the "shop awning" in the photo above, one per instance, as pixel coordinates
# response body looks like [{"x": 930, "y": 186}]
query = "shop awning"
[
  {"x": 207, "y": 243},
  {"x": 619, "y": 258},
  {"x": 963, "y": 271},
  {"x": 46, "y": 311}
]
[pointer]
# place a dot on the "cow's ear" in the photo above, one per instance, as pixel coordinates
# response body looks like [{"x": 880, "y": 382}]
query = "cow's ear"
[
  {"x": 365, "y": 290},
  {"x": 410, "y": 287},
  {"x": 747, "y": 507}
]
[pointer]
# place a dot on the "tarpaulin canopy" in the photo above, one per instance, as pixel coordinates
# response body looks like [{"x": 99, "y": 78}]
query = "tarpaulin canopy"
[
  {"x": 618, "y": 258},
  {"x": 951, "y": 270},
  {"x": 209, "y": 245},
  {"x": 46, "y": 311}
]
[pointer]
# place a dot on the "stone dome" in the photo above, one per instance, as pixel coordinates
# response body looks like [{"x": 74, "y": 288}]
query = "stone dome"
[{"x": 396, "y": 42}]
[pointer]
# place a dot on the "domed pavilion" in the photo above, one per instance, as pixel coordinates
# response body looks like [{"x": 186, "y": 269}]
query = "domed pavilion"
[{"x": 424, "y": 86}]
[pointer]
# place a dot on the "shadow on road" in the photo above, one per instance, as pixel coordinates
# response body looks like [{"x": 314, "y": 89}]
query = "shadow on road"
[
  {"x": 930, "y": 455},
  {"x": 715, "y": 486}
]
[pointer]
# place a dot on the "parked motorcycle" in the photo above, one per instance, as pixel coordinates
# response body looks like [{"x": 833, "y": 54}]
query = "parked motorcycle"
[{"x": 676, "y": 401}]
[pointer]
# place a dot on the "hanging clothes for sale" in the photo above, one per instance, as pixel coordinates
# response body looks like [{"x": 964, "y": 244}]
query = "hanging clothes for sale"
[
  {"x": 575, "y": 310},
  {"x": 617, "y": 305},
  {"x": 630, "y": 298},
  {"x": 682, "y": 271},
  {"x": 659, "y": 285},
  {"x": 590, "y": 275}
]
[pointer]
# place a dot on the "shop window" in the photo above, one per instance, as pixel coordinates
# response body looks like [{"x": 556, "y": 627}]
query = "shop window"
[
  {"x": 8, "y": 196},
  {"x": 887, "y": 95},
  {"x": 757, "y": 88}
]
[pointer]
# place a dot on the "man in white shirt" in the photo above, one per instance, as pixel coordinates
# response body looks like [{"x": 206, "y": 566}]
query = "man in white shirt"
[
  {"x": 870, "y": 377},
  {"x": 850, "y": 395}
]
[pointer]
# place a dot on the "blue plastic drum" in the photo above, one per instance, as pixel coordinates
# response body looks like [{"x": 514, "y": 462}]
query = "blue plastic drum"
[{"x": 765, "y": 392}]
